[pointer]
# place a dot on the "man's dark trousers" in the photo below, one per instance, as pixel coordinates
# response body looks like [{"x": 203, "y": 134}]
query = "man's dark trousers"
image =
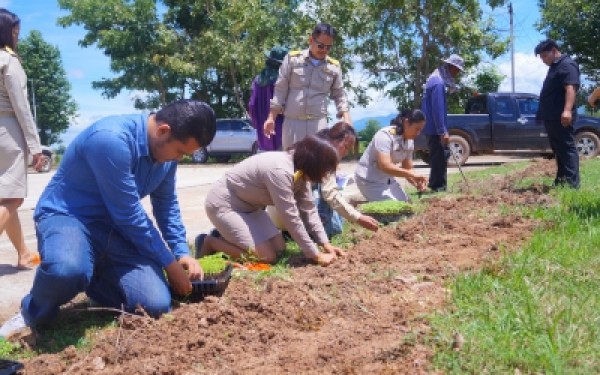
[
  {"x": 562, "y": 141},
  {"x": 438, "y": 161}
]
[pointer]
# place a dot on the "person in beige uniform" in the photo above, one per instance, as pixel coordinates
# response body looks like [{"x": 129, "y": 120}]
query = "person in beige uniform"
[
  {"x": 236, "y": 204},
  {"x": 389, "y": 155},
  {"x": 306, "y": 79},
  {"x": 18, "y": 138},
  {"x": 331, "y": 204}
]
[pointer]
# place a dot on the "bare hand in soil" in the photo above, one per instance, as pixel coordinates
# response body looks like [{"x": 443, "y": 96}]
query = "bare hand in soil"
[
  {"x": 368, "y": 222},
  {"x": 192, "y": 266},
  {"x": 330, "y": 249},
  {"x": 178, "y": 279},
  {"x": 325, "y": 259}
]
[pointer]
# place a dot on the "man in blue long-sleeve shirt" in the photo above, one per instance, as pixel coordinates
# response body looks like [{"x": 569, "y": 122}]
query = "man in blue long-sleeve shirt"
[
  {"x": 93, "y": 234},
  {"x": 435, "y": 108}
]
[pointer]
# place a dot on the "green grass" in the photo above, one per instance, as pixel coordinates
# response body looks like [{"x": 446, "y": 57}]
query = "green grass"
[{"x": 537, "y": 310}]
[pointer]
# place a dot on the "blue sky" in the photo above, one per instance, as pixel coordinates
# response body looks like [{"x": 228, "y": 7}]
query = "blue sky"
[{"x": 84, "y": 65}]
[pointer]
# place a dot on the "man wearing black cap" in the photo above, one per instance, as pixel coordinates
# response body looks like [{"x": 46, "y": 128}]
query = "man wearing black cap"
[
  {"x": 557, "y": 110},
  {"x": 434, "y": 106}
]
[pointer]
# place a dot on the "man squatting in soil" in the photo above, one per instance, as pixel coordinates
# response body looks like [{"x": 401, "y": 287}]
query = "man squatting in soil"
[{"x": 93, "y": 234}]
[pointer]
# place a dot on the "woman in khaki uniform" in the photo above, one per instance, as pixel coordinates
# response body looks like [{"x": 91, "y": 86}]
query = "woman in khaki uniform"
[
  {"x": 18, "y": 137},
  {"x": 236, "y": 204}
]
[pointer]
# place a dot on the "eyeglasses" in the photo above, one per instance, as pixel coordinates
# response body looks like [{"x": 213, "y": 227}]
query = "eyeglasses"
[{"x": 323, "y": 45}]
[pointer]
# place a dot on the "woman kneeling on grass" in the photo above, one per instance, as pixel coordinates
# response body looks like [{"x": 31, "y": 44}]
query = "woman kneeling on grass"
[
  {"x": 389, "y": 155},
  {"x": 236, "y": 204}
]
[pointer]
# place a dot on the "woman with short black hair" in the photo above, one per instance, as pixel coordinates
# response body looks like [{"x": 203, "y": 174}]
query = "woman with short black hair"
[{"x": 236, "y": 204}]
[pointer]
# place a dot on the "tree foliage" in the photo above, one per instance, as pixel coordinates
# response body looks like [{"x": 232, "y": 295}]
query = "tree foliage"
[
  {"x": 369, "y": 131},
  {"x": 576, "y": 24},
  {"x": 212, "y": 49},
  {"x": 400, "y": 42},
  {"x": 138, "y": 45},
  {"x": 48, "y": 85}
]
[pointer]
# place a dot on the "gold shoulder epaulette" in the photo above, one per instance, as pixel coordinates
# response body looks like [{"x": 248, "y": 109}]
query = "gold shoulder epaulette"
[
  {"x": 392, "y": 131},
  {"x": 10, "y": 50},
  {"x": 295, "y": 53},
  {"x": 333, "y": 61},
  {"x": 298, "y": 175}
]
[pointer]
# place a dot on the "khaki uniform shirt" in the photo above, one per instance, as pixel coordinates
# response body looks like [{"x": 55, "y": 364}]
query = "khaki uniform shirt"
[
  {"x": 333, "y": 196},
  {"x": 13, "y": 98},
  {"x": 268, "y": 179},
  {"x": 385, "y": 141},
  {"x": 302, "y": 89}
]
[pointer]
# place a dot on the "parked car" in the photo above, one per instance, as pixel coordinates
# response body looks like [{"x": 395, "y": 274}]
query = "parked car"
[
  {"x": 233, "y": 136},
  {"x": 507, "y": 122},
  {"x": 48, "y": 159}
]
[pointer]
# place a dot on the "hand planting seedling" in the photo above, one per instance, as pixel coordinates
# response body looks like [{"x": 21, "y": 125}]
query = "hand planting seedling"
[{"x": 217, "y": 273}]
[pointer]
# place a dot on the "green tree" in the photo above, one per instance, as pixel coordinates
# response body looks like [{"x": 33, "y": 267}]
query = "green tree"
[
  {"x": 207, "y": 49},
  {"x": 486, "y": 79},
  {"x": 575, "y": 23},
  {"x": 400, "y": 42},
  {"x": 366, "y": 135},
  {"x": 139, "y": 46},
  {"x": 54, "y": 106}
]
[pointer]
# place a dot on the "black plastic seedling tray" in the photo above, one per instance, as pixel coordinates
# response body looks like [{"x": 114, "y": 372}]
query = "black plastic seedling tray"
[
  {"x": 213, "y": 284},
  {"x": 9, "y": 367}
]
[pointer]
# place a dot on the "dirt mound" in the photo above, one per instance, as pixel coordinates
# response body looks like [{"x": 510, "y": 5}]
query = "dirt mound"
[{"x": 361, "y": 315}]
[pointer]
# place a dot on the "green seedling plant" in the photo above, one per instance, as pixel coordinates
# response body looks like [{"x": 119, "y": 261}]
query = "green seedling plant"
[
  {"x": 386, "y": 207},
  {"x": 214, "y": 263}
]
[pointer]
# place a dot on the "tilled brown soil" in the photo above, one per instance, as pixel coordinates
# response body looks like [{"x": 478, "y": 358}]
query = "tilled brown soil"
[{"x": 362, "y": 315}]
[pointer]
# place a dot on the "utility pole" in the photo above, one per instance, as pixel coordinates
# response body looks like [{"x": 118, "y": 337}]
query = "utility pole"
[{"x": 512, "y": 47}]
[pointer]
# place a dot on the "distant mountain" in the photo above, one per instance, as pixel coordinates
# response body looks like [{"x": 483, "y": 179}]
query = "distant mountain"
[{"x": 383, "y": 121}]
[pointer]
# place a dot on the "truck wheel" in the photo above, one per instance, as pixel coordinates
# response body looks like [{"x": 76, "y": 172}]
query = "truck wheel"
[
  {"x": 461, "y": 149},
  {"x": 588, "y": 144}
]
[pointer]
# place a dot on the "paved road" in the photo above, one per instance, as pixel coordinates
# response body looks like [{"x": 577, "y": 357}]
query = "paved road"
[{"x": 193, "y": 183}]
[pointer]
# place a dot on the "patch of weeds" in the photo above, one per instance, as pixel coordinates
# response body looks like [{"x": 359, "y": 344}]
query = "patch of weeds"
[{"x": 76, "y": 328}]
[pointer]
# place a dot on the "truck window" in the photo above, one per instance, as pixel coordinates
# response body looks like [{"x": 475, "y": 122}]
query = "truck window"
[
  {"x": 528, "y": 106},
  {"x": 504, "y": 107},
  {"x": 476, "y": 105}
]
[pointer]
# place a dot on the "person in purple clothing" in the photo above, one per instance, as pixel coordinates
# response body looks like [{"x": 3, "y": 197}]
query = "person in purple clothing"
[
  {"x": 262, "y": 92},
  {"x": 93, "y": 233},
  {"x": 434, "y": 106}
]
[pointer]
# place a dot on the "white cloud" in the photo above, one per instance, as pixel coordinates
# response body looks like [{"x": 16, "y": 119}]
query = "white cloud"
[
  {"x": 96, "y": 108},
  {"x": 5, "y": 3},
  {"x": 530, "y": 72},
  {"x": 379, "y": 104},
  {"x": 76, "y": 73}
]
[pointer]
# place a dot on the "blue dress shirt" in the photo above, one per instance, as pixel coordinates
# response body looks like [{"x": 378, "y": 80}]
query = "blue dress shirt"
[{"x": 104, "y": 174}]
